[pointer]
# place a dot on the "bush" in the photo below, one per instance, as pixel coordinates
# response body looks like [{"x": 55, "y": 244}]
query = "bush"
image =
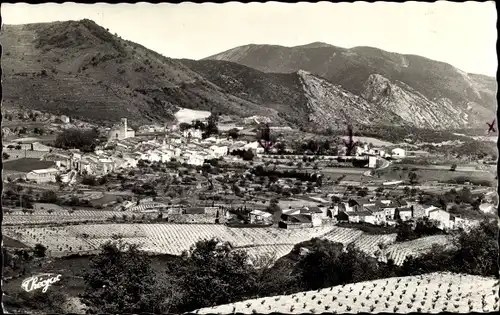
[
  {"x": 134, "y": 289},
  {"x": 89, "y": 180},
  {"x": 48, "y": 196},
  {"x": 39, "y": 250}
]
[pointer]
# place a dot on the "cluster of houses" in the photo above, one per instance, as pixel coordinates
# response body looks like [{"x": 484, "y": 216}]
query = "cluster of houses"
[
  {"x": 308, "y": 212},
  {"x": 395, "y": 153},
  {"x": 387, "y": 211},
  {"x": 125, "y": 149}
]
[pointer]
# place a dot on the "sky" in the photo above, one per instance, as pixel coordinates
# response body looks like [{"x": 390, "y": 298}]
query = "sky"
[{"x": 461, "y": 34}]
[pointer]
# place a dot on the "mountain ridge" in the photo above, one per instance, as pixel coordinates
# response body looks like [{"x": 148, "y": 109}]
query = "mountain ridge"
[
  {"x": 78, "y": 68},
  {"x": 351, "y": 68}
]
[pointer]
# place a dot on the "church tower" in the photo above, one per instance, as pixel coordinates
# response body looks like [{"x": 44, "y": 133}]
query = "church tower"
[{"x": 123, "y": 128}]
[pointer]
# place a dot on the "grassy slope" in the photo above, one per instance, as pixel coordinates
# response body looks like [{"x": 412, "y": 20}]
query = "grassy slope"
[{"x": 280, "y": 91}]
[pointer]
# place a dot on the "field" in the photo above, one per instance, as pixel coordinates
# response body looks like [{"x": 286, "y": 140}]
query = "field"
[
  {"x": 430, "y": 293},
  {"x": 26, "y": 165},
  {"x": 437, "y": 174},
  {"x": 374, "y": 141},
  {"x": 155, "y": 238},
  {"x": 185, "y": 115},
  {"x": 398, "y": 252},
  {"x": 173, "y": 239}
]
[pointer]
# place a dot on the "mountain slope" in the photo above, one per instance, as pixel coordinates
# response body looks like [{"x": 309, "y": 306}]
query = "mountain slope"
[
  {"x": 440, "y": 83},
  {"x": 300, "y": 98},
  {"x": 79, "y": 69}
]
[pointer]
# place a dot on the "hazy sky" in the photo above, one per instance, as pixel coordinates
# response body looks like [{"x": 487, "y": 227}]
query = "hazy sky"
[{"x": 462, "y": 34}]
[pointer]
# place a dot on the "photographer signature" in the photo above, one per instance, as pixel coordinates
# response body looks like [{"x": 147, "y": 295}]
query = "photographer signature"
[{"x": 40, "y": 281}]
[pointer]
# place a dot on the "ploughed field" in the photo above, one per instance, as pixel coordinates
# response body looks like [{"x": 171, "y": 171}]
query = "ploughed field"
[
  {"x": 429, "y": 293},
  {"x": 173, "y": 239}
]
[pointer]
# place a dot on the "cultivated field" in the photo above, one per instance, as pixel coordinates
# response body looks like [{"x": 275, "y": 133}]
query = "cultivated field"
[
  {"x": 400, "y": 251},
  {"x": 155, "y": 238},
  {"x": 430, "y": 293},
  {"x": 374, "y": 141},
  {"x": 174, "y": 238},
  {"x": 185, "y": 115}
]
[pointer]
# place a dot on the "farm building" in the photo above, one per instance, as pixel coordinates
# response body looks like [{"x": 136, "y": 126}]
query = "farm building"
[
  {"x": 42, "y": 175},
  {"x": 258, "y": 216},
  {"x": 443, "y": 218},
  {"x": 361, "y": 216},
  {"x": 295, "y": 221}
]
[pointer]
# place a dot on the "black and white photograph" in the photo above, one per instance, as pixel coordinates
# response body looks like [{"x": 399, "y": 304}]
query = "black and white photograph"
[{"x": 250, "y": 158}]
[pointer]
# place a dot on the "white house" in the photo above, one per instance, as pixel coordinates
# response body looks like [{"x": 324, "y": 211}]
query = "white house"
[
  {"x": 255, "y": 146},
  {"x": 398, "y": 152},
  {"x": 192, "y": 133},
  {"x": 219, "y": 151},
  {"x": 442, "y": 217},
  {"x": 64, "y": 119},
  {"x": 43, "y": 175}
]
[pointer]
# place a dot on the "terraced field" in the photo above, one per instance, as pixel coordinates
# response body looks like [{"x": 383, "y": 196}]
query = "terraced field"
[
  {"x": 430, "y": 293},
  {"x": 156, "y": 238},
  {"x": 175, "y": 238},
  {"x": 44, "y": 217},
  {"x": 399, "y": 251}
]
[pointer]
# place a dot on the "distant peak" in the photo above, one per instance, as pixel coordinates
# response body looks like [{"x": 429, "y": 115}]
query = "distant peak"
[{"x": 314, "y": 45}]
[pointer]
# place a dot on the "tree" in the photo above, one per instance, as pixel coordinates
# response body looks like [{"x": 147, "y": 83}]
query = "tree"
[
  {"x": 39, "y": 250},
  {"x": 211, "y": 128},
  {"x": 453, "y": 167},
  {"x": 329, "y": 264},
  {"x": 212, "y": 273},
  {"x": 412, "y": 176},
  {"x": 184, "y": 126},
  {"x": 5, "y": 156},
  {"x": 362, "y": 193},
  {"x": 89, "y": 180},
  {"x": 248, "y": 155},
  {"x": 120, "y": 279},
  {"x": 406, "y": 190},
  {"x": 233, "y": 133},
  {"x": 48, "y": 196},
  {"x": 84, "y": 140}
]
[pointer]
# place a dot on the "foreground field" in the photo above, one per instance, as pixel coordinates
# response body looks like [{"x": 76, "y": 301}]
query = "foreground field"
[{"x": 430, "y": 293}]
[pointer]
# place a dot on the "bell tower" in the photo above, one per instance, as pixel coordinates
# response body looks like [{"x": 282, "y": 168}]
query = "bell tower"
[{"x": 123, "y": 128}]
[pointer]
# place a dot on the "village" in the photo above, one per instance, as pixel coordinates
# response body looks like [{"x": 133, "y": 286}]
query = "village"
[{"x": 179, "y": 174}]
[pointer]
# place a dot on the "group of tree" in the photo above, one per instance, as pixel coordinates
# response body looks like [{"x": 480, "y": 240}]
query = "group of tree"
[
  {"x": 208, "y": 129},
  {"x": 213, "y": 272},
  {"x": 422, "y": 227},
  {"x": 302, "y": 176},
  {"x": 84, "y": 140},
  {"x": 246, "y": 155}
]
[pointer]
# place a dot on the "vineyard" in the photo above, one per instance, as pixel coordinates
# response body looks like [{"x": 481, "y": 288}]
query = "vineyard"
[
  {"x": 62, "y": 216},
  {"x": 430, "y": 293},
  {"x": 156, "y": 238},
  {"x": 175, "y": 238},
  {"x": 398, "y": 252}
]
